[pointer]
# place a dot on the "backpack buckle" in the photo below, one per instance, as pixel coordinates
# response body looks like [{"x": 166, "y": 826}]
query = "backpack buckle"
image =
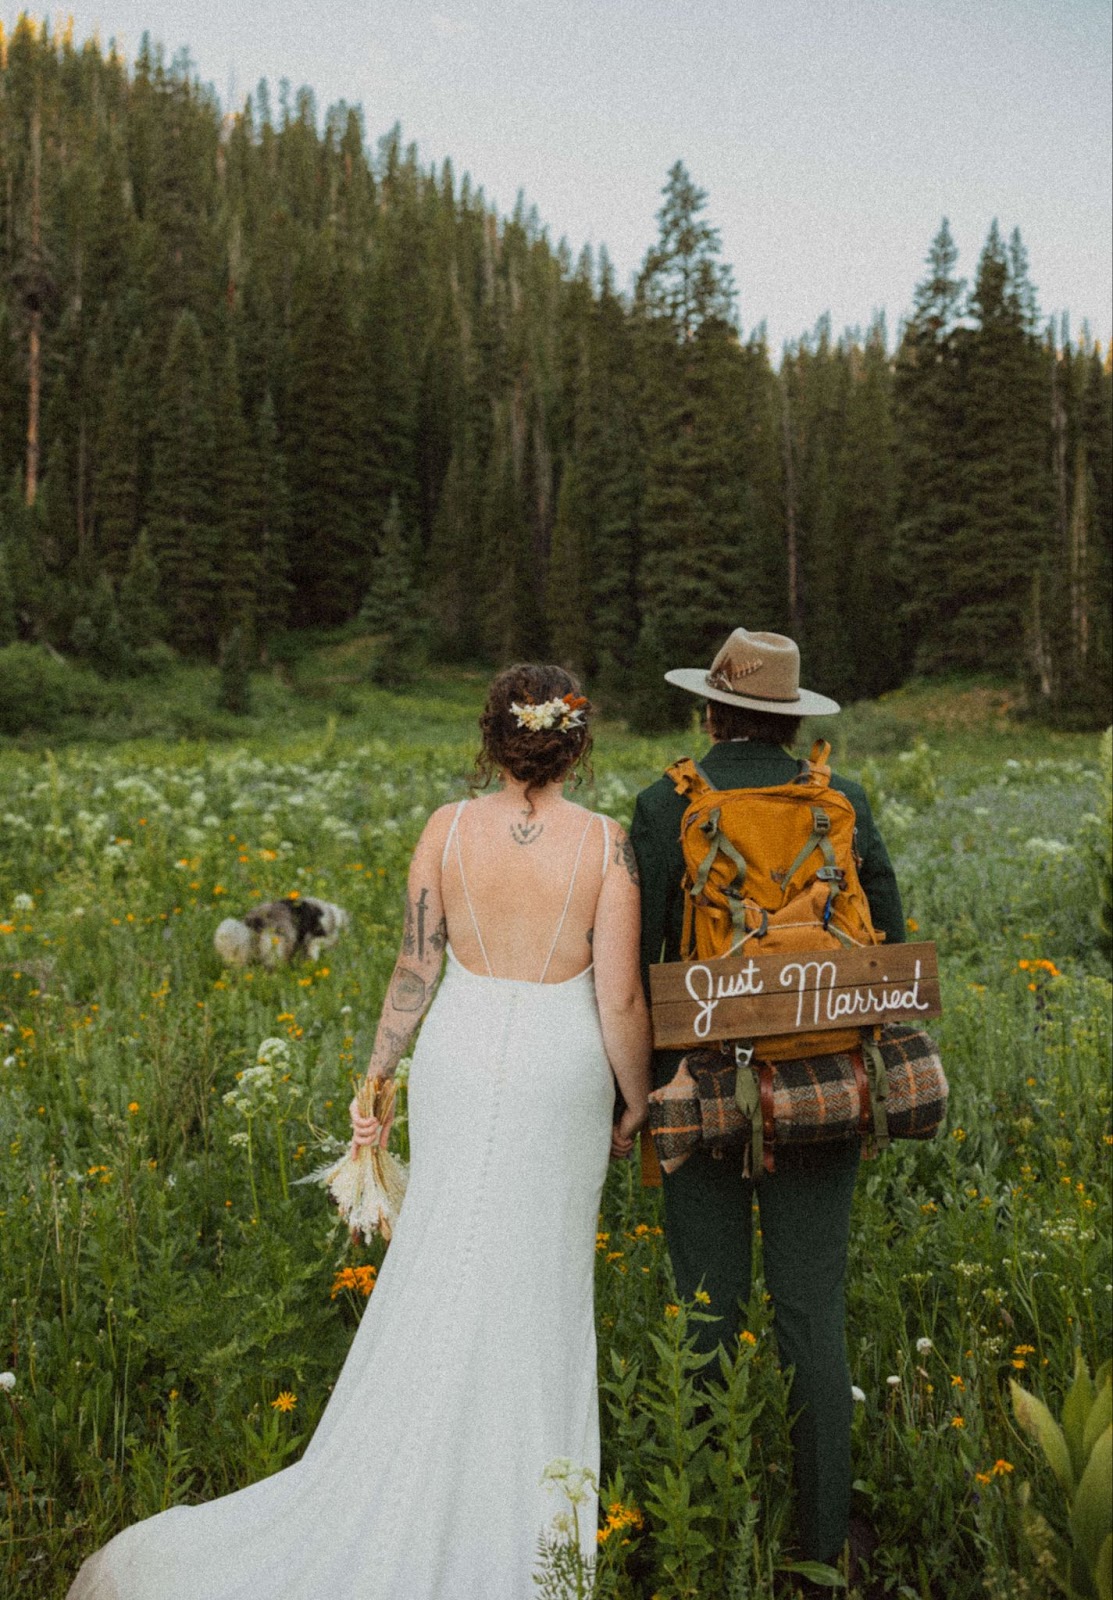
[{"x": 821, "y": 821}]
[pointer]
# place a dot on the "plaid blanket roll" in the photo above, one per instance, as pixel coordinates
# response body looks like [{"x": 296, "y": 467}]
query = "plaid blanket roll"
[{"x": 816, "y": 1099}]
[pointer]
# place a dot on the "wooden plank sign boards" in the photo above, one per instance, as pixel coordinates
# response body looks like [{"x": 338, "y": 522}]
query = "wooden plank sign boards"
[{"x": 749, "y": 996}]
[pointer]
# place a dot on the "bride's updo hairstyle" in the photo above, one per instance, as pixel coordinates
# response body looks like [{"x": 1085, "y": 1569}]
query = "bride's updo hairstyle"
[{"x": 534, "y": 756}]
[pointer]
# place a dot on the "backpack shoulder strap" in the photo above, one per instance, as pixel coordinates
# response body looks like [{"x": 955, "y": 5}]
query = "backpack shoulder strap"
[
  {"x": 819, "y": 760},
  {"x": 814, "y": 769},
  {"x": 689, "y": 779}
]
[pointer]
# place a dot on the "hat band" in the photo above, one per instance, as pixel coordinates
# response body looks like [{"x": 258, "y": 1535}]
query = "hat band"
[{"x": 719, "y": 680}]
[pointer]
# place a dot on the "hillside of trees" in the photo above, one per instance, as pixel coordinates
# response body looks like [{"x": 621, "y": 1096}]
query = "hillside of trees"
[{"x": 255, "y": 375}]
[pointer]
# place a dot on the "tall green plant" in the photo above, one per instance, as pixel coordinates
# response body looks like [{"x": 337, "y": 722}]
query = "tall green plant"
[
  {"x": 1103, "y": 852},
  {"x": 1079, "y": 1450}
]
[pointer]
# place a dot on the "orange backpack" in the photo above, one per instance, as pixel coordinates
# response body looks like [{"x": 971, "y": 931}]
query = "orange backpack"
[{"x": 772, "y": 870}]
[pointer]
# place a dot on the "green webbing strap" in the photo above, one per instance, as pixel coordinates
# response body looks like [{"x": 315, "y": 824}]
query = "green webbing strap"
[
  {"x": 710, "y": 830},
  {"x": 747, "y": 1097},
  {"x": 732, "y": 853},
  {"x": 716, "y": 841},
  {"x": 829, "y": 872},
  {"x": 879, "y": 1090}
]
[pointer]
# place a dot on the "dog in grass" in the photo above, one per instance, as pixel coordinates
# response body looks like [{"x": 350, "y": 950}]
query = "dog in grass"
[{"x": 280, "y": 931}]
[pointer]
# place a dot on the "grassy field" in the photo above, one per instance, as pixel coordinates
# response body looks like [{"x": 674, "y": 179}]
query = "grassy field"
[{"x": 165, "y": 1282}]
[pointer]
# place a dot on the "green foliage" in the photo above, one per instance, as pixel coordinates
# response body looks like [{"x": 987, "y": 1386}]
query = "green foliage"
[
  {"x": 1079, "y": 1451},
  {"x": 98, "y": 635},
  {"x": 1103, "y": 852},
  {"x": 390, "y": 607},
  {"x": 141, "y": 613},
  {"x": 161, "y": 1301},
  {"x": 261, "y": 328},
  {"x": 8, "y": 626},
  {"x": 41, "y": 691},
  {"x": 236, "y": 661},
  {"x": 184, "y": 532}
]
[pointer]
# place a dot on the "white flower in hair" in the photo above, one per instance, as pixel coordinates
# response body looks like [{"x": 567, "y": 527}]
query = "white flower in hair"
[{"x": 549, "y": 714}]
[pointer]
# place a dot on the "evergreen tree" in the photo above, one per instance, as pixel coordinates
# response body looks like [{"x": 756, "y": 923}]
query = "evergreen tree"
[
  {"x": 390, "y": 606},
  {"x": 273, "y": 589},
  {"x": 237, "y": 496},
  {"x": 185, "y": 537},
  {"x": 567, "y": 603},
  {"x": 451, "y": 583},
  {"x": 97, "y": 634},
  {"x": 692, "y": 514},
  {"x": 874, "y": 652},
  {"x": 116, "y": 473},
  {"x": 141, "y": 611},
  {"x": 9, "y": 628},
  {"x": 323, "y": 433},
  {"x": 236, "y": 658},
  {"x": 931, "y": 416},
  {"x": 1005, "y": 483}
]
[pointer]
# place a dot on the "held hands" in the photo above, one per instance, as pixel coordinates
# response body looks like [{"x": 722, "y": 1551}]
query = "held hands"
[
  {"x": 624, "y": 1130},
  {"x": 368, "y": 1130}
]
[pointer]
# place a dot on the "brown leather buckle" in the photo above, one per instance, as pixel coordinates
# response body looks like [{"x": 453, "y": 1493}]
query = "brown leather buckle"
[
  {"x": 768, "y": 1125},
  {"x": 862, "y": 1084}
]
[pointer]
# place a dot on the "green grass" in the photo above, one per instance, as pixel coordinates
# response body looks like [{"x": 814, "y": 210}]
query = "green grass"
[{"x": 160, "y": 1291}]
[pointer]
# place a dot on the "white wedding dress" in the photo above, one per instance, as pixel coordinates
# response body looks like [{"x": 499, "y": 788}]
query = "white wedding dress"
[{"x": 474, "y": 1364}]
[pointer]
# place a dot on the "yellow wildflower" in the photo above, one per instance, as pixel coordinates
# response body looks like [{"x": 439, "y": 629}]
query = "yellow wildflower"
[{"x": 285, "y": 1402}]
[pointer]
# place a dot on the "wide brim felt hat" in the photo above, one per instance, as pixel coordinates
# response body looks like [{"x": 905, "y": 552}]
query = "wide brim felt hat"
[{"x": 758, "y": 670}]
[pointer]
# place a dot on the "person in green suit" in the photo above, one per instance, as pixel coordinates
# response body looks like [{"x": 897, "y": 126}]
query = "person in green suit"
[{"x": 754, "y": 709}]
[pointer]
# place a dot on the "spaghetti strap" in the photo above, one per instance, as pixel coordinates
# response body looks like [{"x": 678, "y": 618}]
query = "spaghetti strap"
[
  {"x": 454, "y": 833},
  {"x": 567, "y": 899},
  {"x": 606, "y": 842},
  {"x": 451, "y": 834}
]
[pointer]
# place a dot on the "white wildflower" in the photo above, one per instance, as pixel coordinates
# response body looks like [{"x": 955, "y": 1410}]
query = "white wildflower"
[
  {"x": 857, "y": 1395},
  {"x": 576, "y": 1482},
  {"x": 9, "y": 1061},
  {"x": 893, "y": 1381},
  {"x": 923, "y": 1346},
  {"x": 23, "y": 902},
  {"x": 272, "y": 1051},
  {"x": 7, "y": 1380}
]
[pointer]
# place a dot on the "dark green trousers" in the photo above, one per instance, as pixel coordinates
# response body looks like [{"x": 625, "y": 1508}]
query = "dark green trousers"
[{"x": 804, "y": 1212}]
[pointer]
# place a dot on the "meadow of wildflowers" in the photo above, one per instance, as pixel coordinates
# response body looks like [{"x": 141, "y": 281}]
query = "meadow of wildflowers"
[{"x": 175, "y": 1306}]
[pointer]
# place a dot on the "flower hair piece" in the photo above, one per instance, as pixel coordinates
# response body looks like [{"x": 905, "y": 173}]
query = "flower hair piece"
[{"x": 561, "y": 715}]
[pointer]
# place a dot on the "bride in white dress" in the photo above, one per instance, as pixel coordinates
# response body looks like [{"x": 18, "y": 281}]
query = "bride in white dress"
[{"x": 474, "y": 1363}]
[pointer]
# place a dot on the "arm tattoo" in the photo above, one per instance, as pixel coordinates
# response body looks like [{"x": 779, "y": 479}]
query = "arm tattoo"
[
  {"x": 390, "y": 1047},
  {"x": 408, "y": 990},
  {"x": 624, "y": 856},
  {"x": 421, "y": 907},
  {"x": 591, "y": 937},
  {"x": 409, "y": 940},
  {"x": 438, "y": 939}
]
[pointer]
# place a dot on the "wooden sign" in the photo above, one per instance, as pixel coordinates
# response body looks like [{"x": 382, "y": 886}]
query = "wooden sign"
[{"x": 750, "y": 996}]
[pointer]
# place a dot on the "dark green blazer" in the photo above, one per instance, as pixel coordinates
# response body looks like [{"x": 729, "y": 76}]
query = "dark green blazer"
[{"x": 655, "y": 836}]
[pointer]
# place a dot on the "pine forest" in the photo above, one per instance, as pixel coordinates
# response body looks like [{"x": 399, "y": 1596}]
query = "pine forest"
[{"x": 259, "y": 375}]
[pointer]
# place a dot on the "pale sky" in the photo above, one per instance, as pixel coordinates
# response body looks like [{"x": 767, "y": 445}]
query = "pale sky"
[{"x": 831, "y": 135}]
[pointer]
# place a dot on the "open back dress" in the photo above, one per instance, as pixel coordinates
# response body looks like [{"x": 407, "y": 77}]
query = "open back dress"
[{"x": 473, "y": 1366}]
